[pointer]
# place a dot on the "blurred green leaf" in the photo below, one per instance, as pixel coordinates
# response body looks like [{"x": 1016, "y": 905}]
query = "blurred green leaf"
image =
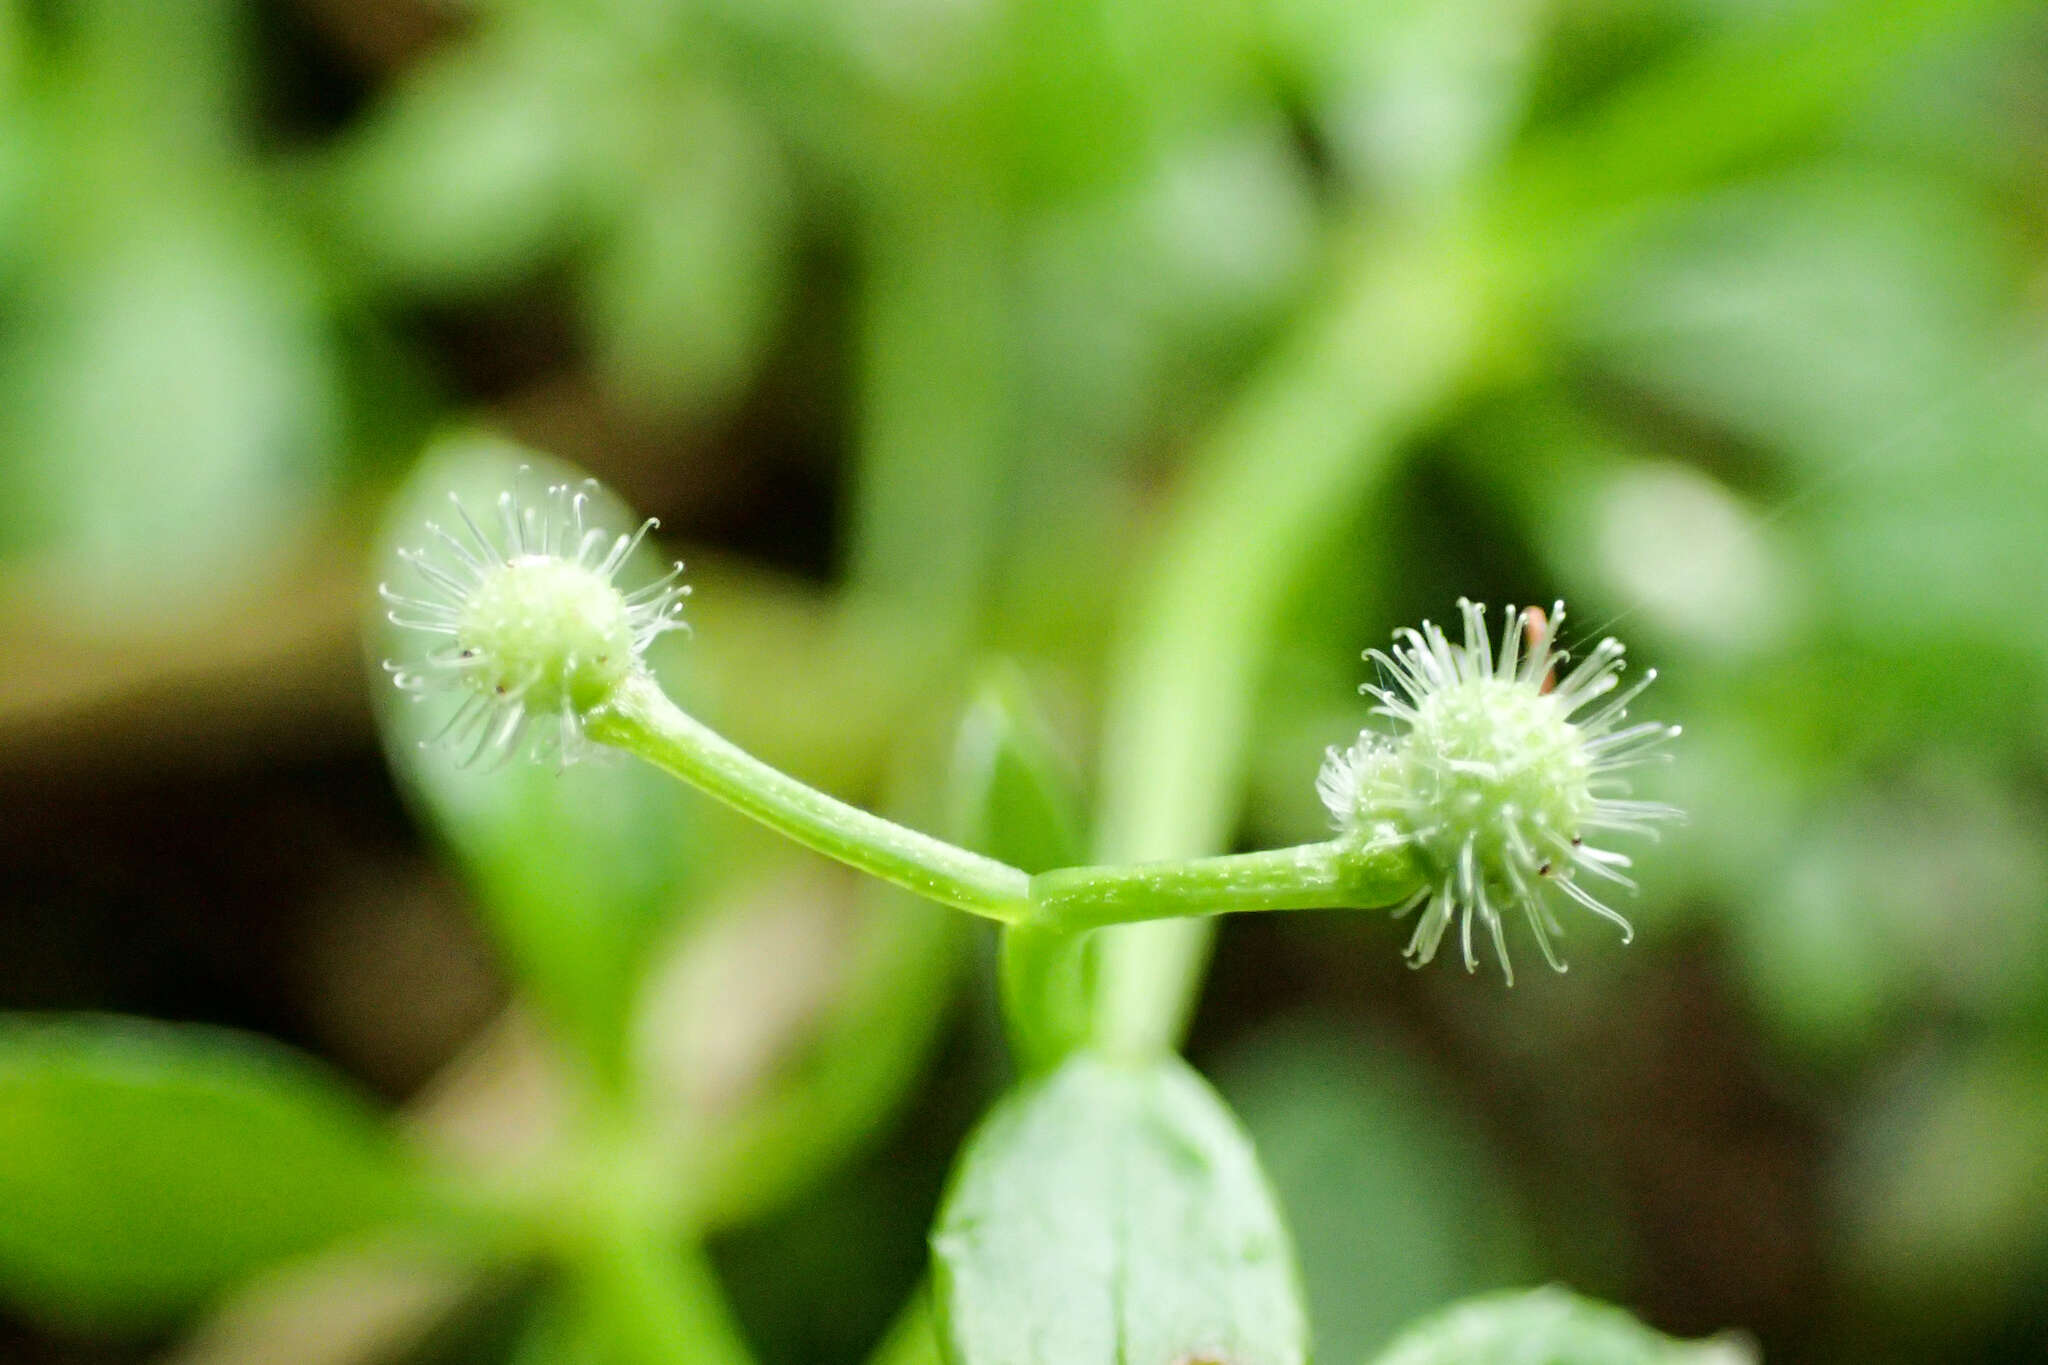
[
  {"x": 1821, "y": 312},
  {"x": 1756, "y": 82},
  {"x": 169, "y": 402},
  {"x": 935, "y": 429},
  {"x": 1218, "y": 236},
  {"x": 1550, "y": 1327},
  {"x": 1925, "y": 888},
  {"x": 1111, "y": 1212},
  {"x": 577, "y": 868},
  {"x": 17, "y": 147},
  {"x": 1413, "y": 96},
  {"x": 1941, "y": 1201},
  {"x": 1968, "y": 108},
  {"x": 145, "y": 1166},
  {"x": 1022, "y": 804},
  {"x": 1864, "y": 328},
  {"x": 913, "y": 1338},
  {"x": 646, "y": 1295},
  {"x": 1396, "y": 1201},
  {"x": 169, "y": 406},
  {"x": 577, "y": 872},
  {"x": 1064, "y": 108},
  {"x": 1618, "y": 519},
  {"x": 631, "y": 1296},
  {"x": 466, "y": 175},
  {"x": 151, "y": 83},
  {"x": 556, "y": 1334},
  {"x": 1016, "y": 797},
  {"x": 683, "y": 291},
  {"x": 1138, "y": 302}
]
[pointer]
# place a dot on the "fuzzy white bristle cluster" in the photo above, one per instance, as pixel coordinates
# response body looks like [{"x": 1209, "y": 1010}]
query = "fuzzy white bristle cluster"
[
  {"x": 530, "y": 631},
  {"x": 1497, "y": 774}
]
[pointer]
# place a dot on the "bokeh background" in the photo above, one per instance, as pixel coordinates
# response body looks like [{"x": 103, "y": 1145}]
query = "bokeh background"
[{"x": 1146, "y": 361}]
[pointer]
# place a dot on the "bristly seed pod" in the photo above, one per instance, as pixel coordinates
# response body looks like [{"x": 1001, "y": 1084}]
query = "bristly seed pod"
[
  {"x": 1494, "y": 779},
  {"x": 531, "y": 632}
]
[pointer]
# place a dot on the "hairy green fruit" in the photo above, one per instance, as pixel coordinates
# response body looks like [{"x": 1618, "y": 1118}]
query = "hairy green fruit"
[
  {"x": 554, "y": 633},
  {"x": 536, "y": 635},
  {"x": 1495, "y": 775}
]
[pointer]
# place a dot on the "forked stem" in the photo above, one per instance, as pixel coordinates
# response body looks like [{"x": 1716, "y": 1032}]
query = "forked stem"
[{"x": 1340, "y": 873}]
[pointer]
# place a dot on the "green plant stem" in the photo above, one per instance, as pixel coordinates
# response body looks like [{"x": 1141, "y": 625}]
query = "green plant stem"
[
  {"x": 1409, "y": 322},
  {"x": 913, "y": 1339},
  {"x": 1051, "y": 910},
  {"x": 652, "y": 1299},
  {"x": 641, "y": 720},
  {"x": 641, "y": 1285},
  {"x": 1047, "y": 983},
  {"x": 934, "y": 405},
  {"x": 1333, "y": 875}
]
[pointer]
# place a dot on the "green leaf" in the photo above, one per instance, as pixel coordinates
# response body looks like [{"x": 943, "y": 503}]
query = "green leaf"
[
  {"x": 1822, "y": 313},
  {"x": 1018, "y": 801},
  {"x": 1113, "y": 1213},
  {"x": 464, "y": 178},
  {"x": 1403, "y": 96},
  {"x": 1015, "y": 796},
  {"x": 683, "y": 292},
  {"x": 167, "y": 405},
  {"x": 556, "y": 1334},
  {"x": 1550, "y": 1327},
  {"x": 144, "y": 1166}
]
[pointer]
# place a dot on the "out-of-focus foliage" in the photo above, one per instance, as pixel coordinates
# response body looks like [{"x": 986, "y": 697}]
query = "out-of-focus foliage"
[
  {"x": 1394, "y": 1198},
  {"x": 598, "y": 132},
  {"x": 1175, "y": 352},
  {"x": 148, "y": 1167},
  {"x": 170, "y": 387},
  {"x": 1548, "y": 1327}
]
